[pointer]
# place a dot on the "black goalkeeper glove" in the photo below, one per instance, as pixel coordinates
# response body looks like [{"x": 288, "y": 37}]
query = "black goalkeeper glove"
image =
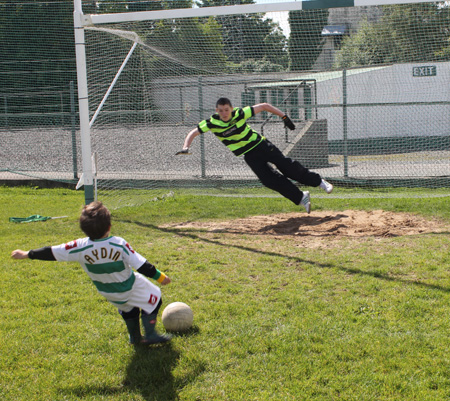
[
  {"x": 288, "y": 122},
  {"x": 183, "y": 152}
]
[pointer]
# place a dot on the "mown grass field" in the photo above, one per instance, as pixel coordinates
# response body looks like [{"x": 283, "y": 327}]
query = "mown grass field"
[{"x": 358, "y": 320}]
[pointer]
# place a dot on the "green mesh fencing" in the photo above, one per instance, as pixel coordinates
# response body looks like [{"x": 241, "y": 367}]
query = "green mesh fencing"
[{"x": 367, "y": 88}]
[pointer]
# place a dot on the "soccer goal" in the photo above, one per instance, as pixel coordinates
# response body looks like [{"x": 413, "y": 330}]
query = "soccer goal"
[{"x": 366, "y": 84}]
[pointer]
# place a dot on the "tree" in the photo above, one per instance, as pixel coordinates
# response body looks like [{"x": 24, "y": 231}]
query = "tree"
[
  {"x": 405, "y": 33},
  {"x": 36, "y": 37},
  {"x": 305, "y": 42},
  {"x": 38, "y": 58},
  {"x": 367, "y": 47},
  {"x": 174, "y": 46},
  {"x": 189, "y": 44},
  {"x": 250, "y": 36},
  {"x": 259, "y": 66}
]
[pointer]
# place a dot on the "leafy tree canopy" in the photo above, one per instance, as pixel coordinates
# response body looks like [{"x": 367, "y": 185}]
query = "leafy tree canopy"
[
  {"x": 406, "y": 33},
  {"x": 305, "y": 41}
]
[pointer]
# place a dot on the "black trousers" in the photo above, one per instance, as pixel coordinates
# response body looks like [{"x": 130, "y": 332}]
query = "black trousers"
[
  {"x": 266, "y": 152},
  {"x": 134, "y": 313}
]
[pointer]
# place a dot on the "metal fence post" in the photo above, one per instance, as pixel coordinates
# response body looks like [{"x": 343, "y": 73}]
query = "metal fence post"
[
  {"x": 6, "y": 111},
  {"x": 344, "y": 120},
  {"x": 73, "y": 122},
  {"x": 202, "y": 137}
]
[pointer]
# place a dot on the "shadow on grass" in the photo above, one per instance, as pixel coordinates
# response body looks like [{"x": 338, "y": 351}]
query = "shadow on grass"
[
  {"x": 378, "y": 275},
  {"x": 294, "y": 225},
  {"x": 190, "y": 234},
  {"x": 150, "y": 373},
  {"x": 187, "y": 333}
]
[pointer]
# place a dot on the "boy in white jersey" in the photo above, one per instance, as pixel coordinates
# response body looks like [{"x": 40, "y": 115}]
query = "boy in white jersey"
[{"x": 109, "y": 262}]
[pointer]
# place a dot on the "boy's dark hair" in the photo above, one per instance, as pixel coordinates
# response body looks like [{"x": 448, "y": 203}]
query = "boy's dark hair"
[
  {"x": 95, "y": 220},
  {"x": 223, "y": 101}
]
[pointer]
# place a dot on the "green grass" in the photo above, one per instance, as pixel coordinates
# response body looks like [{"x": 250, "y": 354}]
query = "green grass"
[{"x": 359, "y": 320}]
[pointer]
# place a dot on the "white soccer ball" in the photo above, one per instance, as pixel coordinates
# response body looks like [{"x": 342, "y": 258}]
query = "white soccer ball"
[{"x": 177, "y": 316}]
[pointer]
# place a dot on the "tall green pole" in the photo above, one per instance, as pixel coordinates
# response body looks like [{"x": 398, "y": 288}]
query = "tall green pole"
[
  {"x": 202, "y": 137},
  {"x": 6, "y": 111},
  {"x": 73, "y": 122},
  {"x": 344, "y": 120}
]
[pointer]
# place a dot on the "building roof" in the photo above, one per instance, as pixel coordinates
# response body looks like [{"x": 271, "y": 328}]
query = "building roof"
[{"x": 312, "y": 76}]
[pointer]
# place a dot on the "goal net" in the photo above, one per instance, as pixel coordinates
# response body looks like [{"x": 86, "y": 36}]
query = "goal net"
[{"x": 367, "y": 88}]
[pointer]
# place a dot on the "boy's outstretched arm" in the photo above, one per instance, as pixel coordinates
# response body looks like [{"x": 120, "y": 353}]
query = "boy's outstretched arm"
[
  {"x": 44, "y": 253},
  {"x": 148, "y": 270},
  {"x": 187, "y": 142},
  {"x": 258, "y": 108},
  {"x": 19, "y": 254}
]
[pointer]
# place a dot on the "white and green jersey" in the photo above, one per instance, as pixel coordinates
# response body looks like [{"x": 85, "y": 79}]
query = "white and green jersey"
[{"x": 109, "y": 262}]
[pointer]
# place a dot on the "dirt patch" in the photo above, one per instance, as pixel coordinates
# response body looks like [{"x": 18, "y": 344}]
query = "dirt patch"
[{"x": 349, "y": 223}]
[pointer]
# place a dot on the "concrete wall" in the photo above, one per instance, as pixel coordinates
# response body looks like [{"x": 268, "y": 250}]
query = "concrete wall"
[{"x": 310, "y": 145}]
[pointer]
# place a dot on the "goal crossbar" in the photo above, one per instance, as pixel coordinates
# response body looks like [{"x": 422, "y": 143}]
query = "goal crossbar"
[{"x": 94, "y": 19}]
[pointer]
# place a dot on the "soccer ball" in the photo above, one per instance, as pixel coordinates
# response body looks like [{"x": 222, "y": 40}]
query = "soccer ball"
[{"x": 177, "y": 316}]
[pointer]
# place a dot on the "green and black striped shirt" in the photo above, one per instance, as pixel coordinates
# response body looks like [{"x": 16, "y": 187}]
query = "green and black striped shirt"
[{"x": 236, "y": 134}]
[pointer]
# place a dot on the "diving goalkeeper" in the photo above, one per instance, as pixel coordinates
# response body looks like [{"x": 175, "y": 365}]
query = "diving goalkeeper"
[{"x": 230, "y": 126}]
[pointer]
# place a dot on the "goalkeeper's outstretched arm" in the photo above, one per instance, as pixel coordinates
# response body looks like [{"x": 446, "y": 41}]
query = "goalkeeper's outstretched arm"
[
  {"x": 187, "y": 142},
  {"x": 258, "y": 108}
]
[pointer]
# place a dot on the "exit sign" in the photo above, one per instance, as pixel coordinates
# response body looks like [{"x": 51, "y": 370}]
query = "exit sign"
[{"x": 424, "y": 71}]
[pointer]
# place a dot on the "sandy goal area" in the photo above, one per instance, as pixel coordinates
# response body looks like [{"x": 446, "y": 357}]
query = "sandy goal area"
[{"x": 348, "y": 223}]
